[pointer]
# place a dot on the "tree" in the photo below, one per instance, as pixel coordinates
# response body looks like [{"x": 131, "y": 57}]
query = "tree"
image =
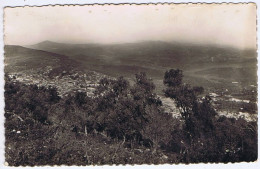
[
  {"x": 184, "y": 97},
  {"x": 198, "y": 114},
  {"x": 123, "y": 110},
  {"x": 173, "y": 78},
  {"x": 209, "y": 138}
]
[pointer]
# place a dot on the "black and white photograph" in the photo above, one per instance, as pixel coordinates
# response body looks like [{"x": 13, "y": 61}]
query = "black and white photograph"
[{"x": 130, "y": 84}]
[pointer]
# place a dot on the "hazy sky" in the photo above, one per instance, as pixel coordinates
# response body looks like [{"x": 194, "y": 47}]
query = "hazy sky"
[{"x": 226, "y": 24}]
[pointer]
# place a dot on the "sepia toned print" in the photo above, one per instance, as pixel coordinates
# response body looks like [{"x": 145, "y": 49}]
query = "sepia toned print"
[{"x": 130, "y": 84}]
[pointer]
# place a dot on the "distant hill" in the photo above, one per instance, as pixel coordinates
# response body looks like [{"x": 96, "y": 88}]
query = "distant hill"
[
  {"x": 21, "y": 59},
  {"x": 215, "y": 63},
  {"x": 149, "y": 54}
]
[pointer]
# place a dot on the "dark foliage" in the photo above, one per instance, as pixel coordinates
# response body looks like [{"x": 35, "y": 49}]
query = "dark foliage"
[
  {"x": 173, "y": 78},
  {"x": 122, "y": 124},
  {"x": 205, "y": 137}
]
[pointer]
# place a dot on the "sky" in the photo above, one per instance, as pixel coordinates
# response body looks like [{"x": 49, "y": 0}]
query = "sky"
[{"x": 218, "y": 24}]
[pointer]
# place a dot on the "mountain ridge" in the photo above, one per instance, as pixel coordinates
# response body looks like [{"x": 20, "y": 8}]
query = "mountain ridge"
[{"x": 143, "y": 42}]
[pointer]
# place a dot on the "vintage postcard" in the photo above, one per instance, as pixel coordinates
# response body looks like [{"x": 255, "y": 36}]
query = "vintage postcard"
[{"x": 130, "y": 84}]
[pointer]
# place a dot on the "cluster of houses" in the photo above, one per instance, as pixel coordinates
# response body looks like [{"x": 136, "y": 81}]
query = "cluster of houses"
[
  {"x": 66, "y": 83},
  {"x": 232, "y": 104}
]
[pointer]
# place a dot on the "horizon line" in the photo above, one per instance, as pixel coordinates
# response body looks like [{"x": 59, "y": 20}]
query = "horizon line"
[{"x": 142, "y": 41}]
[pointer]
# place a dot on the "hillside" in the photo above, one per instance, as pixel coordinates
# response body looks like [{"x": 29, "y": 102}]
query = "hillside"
[
  {"x": 46, "y": 69},
  {"x": 231, "y": 75},
  {"x": 202, "y": 65},
  {"x": 21, "y": 59}
]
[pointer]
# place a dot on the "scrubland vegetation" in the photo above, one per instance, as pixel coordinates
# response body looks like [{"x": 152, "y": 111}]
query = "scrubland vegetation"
[{"x": 121, "y": 124}]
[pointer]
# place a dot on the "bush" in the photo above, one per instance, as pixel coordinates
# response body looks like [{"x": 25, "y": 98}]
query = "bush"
[{"x": 122, "y": 124}]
